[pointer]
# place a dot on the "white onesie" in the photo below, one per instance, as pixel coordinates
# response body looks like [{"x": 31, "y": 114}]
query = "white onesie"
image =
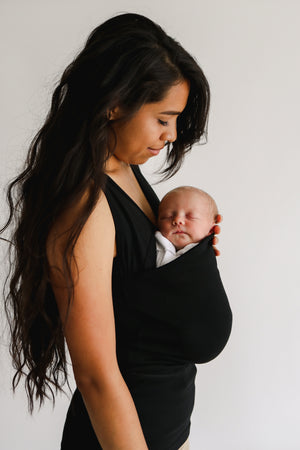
[{"x": 166, "y": 251}]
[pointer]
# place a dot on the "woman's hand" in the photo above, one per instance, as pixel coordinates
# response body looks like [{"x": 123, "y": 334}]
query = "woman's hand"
[{"x": 217, "y": 230}]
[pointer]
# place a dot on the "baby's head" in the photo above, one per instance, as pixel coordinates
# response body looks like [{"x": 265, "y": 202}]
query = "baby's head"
[{"x": 186, "y": 214}]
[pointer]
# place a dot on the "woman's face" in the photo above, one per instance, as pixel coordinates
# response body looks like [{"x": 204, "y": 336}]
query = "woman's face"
[{"x": 147, "y": 132}]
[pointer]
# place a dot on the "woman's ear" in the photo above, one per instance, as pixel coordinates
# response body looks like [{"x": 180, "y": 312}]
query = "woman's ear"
[{"x": 114, "y": 113}]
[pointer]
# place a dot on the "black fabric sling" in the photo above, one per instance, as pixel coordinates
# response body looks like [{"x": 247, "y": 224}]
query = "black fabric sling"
[{"x": 185, "y": 302}]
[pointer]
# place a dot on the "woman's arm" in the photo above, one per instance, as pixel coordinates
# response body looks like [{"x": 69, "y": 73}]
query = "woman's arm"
[{"x": 90, "y": 332}]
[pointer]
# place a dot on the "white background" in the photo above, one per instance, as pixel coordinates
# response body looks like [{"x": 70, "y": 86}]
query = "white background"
[{"x": 248, "y": 398}]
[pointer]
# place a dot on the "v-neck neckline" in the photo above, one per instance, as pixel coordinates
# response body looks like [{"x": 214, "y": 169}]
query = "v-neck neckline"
[{"x": 131, "y": 200}]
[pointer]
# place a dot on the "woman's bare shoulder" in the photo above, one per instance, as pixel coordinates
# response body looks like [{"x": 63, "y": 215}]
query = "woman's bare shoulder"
[
  {"x": 98, "y": 232},
  {"x": 89, "y": 322}
]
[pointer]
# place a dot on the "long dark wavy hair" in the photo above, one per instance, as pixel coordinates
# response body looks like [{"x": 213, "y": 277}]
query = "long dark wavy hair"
[{"x": 127, "y": 61}]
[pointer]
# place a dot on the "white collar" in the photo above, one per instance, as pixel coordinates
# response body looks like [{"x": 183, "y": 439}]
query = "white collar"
[{"x": 164, "y": 243}]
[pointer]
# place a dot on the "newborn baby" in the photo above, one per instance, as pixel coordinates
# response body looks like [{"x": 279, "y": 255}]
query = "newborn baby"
[
  {"x": 186, "y": 215},
  {"x": 187, "y": 310}
]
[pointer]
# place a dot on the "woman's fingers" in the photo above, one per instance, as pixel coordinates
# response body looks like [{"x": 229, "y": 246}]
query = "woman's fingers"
[
  {"x": 219, "y": 218},
  {"x": 217, "y": 252},
  {"x": 217, "y": 230},
  {"x": 215, "y": 240}
]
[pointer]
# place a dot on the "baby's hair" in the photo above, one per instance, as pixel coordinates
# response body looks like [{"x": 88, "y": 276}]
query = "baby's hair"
[{"x": 200, "y": 192}]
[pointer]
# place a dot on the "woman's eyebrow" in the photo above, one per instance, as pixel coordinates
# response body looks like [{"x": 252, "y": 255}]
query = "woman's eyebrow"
[{"x": 171, "y": 113}]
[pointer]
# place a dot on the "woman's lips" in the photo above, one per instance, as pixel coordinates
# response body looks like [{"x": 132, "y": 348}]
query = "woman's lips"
[{"x": 155, "y": 151}]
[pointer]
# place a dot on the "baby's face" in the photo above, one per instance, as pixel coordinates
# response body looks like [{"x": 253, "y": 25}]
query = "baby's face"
[{"x": 185, "y": 217}]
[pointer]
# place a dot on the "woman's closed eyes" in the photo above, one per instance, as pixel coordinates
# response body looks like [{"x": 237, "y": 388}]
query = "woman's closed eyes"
[{"x": 163, "y": 123}]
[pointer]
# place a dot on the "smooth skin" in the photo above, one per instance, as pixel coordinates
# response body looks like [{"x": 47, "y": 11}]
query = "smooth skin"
[
  {"x": 90, "y": 328},
  {"x": 185, "y": 216}
]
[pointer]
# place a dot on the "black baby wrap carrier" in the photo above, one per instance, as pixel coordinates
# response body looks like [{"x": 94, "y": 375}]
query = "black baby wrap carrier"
[
  {"x": 166, "y": 319},
  {"x": 183, "y": 306}
]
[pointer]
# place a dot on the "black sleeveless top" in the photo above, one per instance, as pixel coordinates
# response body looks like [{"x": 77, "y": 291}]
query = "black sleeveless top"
[{"x": 155, "y": 349}]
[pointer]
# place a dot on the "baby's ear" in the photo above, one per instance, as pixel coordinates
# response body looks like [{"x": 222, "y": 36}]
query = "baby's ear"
[{"x": 211, "y": 231}]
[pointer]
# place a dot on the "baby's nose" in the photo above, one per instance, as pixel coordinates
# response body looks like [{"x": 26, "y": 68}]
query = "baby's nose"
[{"x": 178, "y": 220}]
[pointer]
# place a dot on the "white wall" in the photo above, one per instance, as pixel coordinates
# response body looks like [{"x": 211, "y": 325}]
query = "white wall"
[{"x": 248, "y": 398}]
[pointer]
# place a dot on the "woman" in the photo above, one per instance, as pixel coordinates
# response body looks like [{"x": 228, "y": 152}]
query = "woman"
[{"x": 85, "y": 222}]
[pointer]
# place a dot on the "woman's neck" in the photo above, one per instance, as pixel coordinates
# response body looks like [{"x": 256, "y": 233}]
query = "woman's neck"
[{"x": 115, "y": 165}]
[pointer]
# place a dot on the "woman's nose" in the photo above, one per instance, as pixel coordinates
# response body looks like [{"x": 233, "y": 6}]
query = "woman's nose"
[{"x": 170, "y": 135}]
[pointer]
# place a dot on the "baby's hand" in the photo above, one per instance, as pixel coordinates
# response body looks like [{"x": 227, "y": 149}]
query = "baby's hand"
[{"x": 217, "y": 230}]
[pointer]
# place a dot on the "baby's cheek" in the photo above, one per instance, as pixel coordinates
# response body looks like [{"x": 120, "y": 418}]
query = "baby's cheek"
[
  {"x": 164, "y": 227},
  {"x": 163, "y": 231}
]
